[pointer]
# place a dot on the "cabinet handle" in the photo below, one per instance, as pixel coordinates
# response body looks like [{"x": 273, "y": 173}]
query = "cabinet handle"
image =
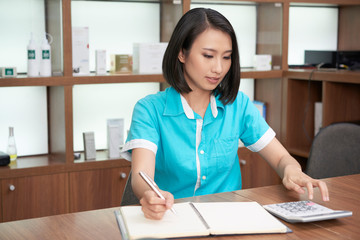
[
  {"x": 11, "y": 187},
  {"x": 123, "y": 175},
  {"x": 242, "y": 162}
]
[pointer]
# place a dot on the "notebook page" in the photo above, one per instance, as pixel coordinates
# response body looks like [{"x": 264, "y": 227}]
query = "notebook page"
[
  {"x": 239, "y": 218},
  {"x": 182, "y": 224}
]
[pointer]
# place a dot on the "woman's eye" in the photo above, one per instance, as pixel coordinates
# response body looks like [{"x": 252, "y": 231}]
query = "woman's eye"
[
  {"x": 227, "y": 57},
  {"x": 207, "y": 56}
]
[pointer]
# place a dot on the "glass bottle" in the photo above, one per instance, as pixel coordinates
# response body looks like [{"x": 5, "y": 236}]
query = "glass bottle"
[{"x": 11, "y": 149}]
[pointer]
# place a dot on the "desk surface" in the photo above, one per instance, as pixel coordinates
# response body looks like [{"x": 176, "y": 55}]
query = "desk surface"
[{"x": 101, "y": 224}]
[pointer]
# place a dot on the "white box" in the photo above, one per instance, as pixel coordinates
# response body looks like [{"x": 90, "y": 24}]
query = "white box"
[
  {"x": 262, "y": 62},
  {"x": 100, "y": 62},
  {"x": 9, "y": 72},
  {"x": 89, "y": 145},
  {"x": 80, "y": 49},
  {"x": 147, "y": 57},
  {"x": 115, "y": 136}
]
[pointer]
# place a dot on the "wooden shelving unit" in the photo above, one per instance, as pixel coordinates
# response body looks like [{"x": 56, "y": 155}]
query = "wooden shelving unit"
[{"x": 286, "y": 92}]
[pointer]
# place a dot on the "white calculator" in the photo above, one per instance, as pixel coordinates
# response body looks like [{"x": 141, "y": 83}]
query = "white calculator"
[{"x": 304, "y": 211}]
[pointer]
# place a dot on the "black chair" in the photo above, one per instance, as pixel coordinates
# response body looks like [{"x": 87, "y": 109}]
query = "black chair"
[
  {"x": 128, "y": 197},
  {"x": 335, "y": 151}
]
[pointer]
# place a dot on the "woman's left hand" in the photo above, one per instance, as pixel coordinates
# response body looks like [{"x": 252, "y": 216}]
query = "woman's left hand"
[{"x": 295, "y": 179}]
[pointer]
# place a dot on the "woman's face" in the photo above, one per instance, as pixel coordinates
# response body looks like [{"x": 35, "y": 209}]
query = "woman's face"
[{"x": 208, "y": 60}]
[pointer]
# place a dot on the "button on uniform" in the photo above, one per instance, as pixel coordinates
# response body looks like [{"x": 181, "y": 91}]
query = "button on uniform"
[
  {"x": 204, "y": 177},
  {"x": 201, "y": 151}
]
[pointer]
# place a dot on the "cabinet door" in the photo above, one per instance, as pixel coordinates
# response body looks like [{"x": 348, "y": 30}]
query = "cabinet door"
[
  {"x": 255, "y": 171},
  {"x": 97, "y": 189},
  {"x": 36, "y": 196}
]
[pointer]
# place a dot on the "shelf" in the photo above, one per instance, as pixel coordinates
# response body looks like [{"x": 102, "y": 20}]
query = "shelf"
[
  {"x": 250, "y": 73},
  {"x": 101, "y": 161},
  {"x": 22, "y": 80},
  {"x": 34, "y": 165},
  {"x": 91, "y": 79},
  {"x": 326, "y": 2},
  {"x": 39, "y": 81},
  {"x": 117, "y": 78},
  {"x": 51, "y": 164},
  {"x": 342, "y": 76}
]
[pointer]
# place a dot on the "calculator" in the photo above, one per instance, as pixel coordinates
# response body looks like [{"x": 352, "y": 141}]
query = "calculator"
[{"x": 304, "y": 211}]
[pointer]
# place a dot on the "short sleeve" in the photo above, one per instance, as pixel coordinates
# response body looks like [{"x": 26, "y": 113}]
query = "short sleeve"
[
  {"x": 255, "y": 132},
  {"x": 143, "y": 130}
]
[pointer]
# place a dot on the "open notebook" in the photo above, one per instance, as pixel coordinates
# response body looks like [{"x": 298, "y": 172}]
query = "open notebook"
[{"x": 199, "y": 219}]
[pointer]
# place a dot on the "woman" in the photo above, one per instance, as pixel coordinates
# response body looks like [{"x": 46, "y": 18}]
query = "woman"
[{"x": 186, "y": 137}]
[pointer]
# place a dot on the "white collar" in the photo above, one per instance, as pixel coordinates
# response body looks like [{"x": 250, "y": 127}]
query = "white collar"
[{"x": 190, "y": 113}]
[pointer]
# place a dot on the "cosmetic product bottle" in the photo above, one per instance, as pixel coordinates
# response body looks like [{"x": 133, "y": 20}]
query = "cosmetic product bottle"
[
  {"x": 32, "y": 58},
  {"x": 11, "y": 149},
  {"x": 45, "y": 61}
]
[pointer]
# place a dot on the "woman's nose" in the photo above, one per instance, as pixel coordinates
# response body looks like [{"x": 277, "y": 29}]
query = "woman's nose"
[{"x": 217, "y": 66}]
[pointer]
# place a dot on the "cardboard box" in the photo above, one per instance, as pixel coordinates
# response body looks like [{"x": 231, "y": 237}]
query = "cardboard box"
[
  {"x": 120, "y": 64},
  {"x": 8, "y": 72},
  {"x": 89, "y": 145},
  {"x": 115, "y": 136},
  {"x": 100, "y": 62},
  {"x": 262, "y": 62},
  {"x": 147, "y": 57},
  {"x": 80, "y": 48}
]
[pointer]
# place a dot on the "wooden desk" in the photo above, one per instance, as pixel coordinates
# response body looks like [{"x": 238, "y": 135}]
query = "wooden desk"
[{"x": 101, "y": 224}]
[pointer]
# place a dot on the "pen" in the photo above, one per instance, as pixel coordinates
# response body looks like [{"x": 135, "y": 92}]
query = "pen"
[{"x": 153, "y": 186}]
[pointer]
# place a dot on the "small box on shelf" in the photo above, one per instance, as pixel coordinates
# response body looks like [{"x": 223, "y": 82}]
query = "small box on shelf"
[
  {"x": 147, "y": 57},
  {"x": 8, "y": 72}
]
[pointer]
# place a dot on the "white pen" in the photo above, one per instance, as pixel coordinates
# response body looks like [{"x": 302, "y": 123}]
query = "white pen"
[{"x": 153, "y": 186}]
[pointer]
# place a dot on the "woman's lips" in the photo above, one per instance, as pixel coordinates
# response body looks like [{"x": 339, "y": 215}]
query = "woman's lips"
[{"x": 213, "y": 79}]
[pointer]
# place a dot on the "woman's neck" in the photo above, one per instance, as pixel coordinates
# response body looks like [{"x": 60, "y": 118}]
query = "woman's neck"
[{"x": 198, "y": 101}]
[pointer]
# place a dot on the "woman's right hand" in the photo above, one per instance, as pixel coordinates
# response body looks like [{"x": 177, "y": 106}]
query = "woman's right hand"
[{"x": 153, "y": 206}]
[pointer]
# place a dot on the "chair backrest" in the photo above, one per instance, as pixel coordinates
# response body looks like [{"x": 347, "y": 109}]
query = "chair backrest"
[
  {"x": 335, "y": 151},
  {"x": 128, "y": 197}
]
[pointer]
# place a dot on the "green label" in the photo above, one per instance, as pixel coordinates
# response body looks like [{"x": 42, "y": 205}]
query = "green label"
[
  {"x": 45, "y": 54},
  {"x": 31, "y": 54},
  {"x": 9, "y": 71}
]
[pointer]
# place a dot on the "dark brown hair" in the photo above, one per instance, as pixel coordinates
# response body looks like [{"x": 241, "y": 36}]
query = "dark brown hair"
[{"x": 192, "y": 24}]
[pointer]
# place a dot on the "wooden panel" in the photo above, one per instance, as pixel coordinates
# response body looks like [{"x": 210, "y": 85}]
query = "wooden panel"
[
  {"x": 269, "y": 91},
  {"x": 340, "y": 103},
  {"x": 269, "y": 31},
  {"x": 36, "y": 196},
  {"x": 186, "y": 5},
  {"x": 349, "y": 32},
  {"x": 68, "y": 119},
  {"x": 67, "y": 37},
  {"x": 300, "y": 113},
  {"x": 53, "y": 27},
  {"x": 285, "y": 35},
  {"x": 255, "y": 171},
  {"x": 97, "y": 188},
  {"x": 56, "y": 119},
  {"x": 170, "y": 14},
  {"x": 341, "y": 76}
]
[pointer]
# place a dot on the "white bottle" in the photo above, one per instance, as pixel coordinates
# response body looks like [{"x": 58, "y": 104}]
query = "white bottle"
[
  {"x": 11, "y": 149},
  {"x": 33, "y": 58},
  {"x": 45, "y": 61}
]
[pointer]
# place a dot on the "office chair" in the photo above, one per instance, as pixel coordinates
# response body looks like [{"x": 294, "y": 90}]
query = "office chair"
[
  {"x": 128, "y": 197},
  {"x": 335, "y": 151}
]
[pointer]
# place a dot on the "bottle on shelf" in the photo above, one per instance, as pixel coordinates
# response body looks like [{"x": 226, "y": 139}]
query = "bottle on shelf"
[
  {"x": 11, "y": 149},
  {"x": 32, "y": 58},
  {"x": 45, "y": 61}
]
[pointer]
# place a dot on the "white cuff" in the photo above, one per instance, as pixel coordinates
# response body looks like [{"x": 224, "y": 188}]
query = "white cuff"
[
  {"x": 263, "y": 141},
  {"x": 137, "y": 143}
]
